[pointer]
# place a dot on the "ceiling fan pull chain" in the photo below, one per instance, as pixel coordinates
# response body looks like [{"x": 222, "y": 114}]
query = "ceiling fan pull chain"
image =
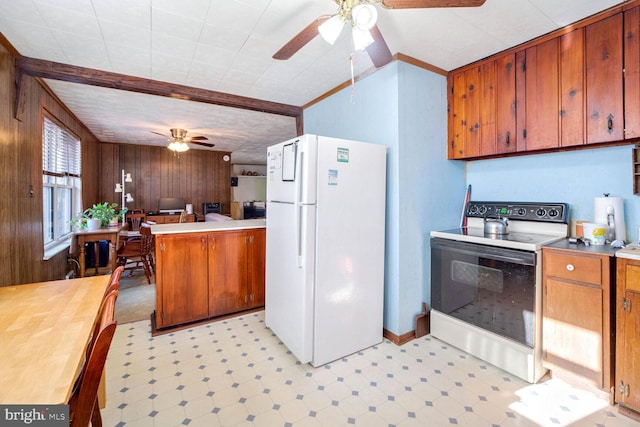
[{"x": 353, "y": 83}]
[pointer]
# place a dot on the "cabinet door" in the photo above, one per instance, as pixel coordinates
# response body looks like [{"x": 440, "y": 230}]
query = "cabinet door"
[
  {"x": 181, "y": 278},
  {"x": 628, "y": 334},
  {"x": 227, "y": 272},
  {"x": 506, "y": 104},
  {"x": 632, "y": 73},
  {"x": 471, "y": 98},
  {"x": 603, "y": 41},
  {"x": 542, "y": 121},
  {"x": 572, "y": 65},
  {"x": 256, "y": 267},
  {"x": 572, "y": 328},
  {"x": 487, "y": 103},
  {"x": 458, "y": 116}
]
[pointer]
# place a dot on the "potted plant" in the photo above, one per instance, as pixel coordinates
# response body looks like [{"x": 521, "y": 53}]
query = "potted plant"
[{"x": 99, "y": 215}]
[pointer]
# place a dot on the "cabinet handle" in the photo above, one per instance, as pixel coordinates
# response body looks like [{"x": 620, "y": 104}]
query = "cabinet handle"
[
  {"x": 213, "y": 243},
  {"x": 610, "y": 123},
  {"x": 570, "y": 267},
  {"x": 508, "y": 137},
  {"x": 203, "y": 240}
]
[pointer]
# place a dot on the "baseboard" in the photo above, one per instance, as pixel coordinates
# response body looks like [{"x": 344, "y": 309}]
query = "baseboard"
[{"x": 399, "y": 339}]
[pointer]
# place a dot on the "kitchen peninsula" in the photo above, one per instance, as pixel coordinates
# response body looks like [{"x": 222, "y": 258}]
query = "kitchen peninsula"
[{"x": 207, "y": 269}]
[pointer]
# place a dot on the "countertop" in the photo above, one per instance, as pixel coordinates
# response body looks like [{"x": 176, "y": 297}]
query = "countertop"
[
  {"x": 581, "y": 247},
  {"x": 630, "y": 252},
  {"x": 203, "y": 227}
]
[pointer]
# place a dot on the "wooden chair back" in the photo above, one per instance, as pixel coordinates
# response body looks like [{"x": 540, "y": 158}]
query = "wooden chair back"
[
  {"x": 114, "y": 282},
  {"x": 183, "y": 216},
  {"x": 135, "y": 220},
  {"x": 83, "y": 405}
]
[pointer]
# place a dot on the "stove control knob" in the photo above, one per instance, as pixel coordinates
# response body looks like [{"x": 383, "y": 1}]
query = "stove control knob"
[
  {"x": 483, "y": 210},
  {"x": 521, "y": 211},
  {"x": 553, "y": 212},
  {"x": 541, "y": 212},
  {"x": 473, "y": 209}
]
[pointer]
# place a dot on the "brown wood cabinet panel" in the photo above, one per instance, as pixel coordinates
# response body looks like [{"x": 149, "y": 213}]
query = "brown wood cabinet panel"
[
  {"x": 632, "y": 73},
  {"x": 521, "y": 96},
  {"x": 628, "y": 335},
  {"x": 571, "y": 332},
  {"x": 487, "y": 105},
  {"x": 572, "y": 108},
  {"x": 472, "y": 98},
  {"x": 227, "y": 272},
  {"x": 506, "y": 134},
  {"x": 257, "y": 263},
  {"x": 450, "y": 117},
  {"x": 603, "y": 41},
  {"x": 542, "y": 96},
  {"x": 577, "y": 268},
  {"x": 181, "y": 278},
  {"x": 458, "y": 115},
  {"x": 577, "y": 317}
]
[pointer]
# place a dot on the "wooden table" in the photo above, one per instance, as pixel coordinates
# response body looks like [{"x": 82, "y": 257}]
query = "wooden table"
[
  {"x": 105, "y": 233},
  {"x": 44, "y": 331}
]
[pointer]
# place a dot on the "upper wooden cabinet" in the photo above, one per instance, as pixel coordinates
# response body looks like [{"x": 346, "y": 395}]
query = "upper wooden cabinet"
[
  {"x": 632, "y": 73},
  {"x": 482, "y": 109},
  {"x": 559, "y": 92},
  {"x": 541, "y": 128},
  {"x": 603, "y": 62}
]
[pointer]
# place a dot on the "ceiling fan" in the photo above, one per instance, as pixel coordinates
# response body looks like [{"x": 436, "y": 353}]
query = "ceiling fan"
[
  {"x": 179, "y": 140},
  {"x": 363, "y": 16}
]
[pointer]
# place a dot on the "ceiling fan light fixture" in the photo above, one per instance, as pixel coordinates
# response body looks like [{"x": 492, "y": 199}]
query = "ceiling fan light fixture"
[
  {"x": 178, "y": 146},
  {"x": 361, "y": 38},
  {"x": 331, "y": 28},
  {"x": 364, "y": 16}
]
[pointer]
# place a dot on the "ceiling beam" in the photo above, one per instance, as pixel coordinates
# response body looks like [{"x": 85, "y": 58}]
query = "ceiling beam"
[{"x": 89, "y": 76}]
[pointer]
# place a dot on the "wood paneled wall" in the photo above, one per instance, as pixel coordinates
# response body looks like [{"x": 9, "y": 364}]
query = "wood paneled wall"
[
  {"x": 197, "y": 175},
  {"x": 21, "y": 236}
]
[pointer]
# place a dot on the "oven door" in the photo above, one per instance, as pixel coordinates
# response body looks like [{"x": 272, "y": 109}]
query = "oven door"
[{"x": 490, "y": 287}]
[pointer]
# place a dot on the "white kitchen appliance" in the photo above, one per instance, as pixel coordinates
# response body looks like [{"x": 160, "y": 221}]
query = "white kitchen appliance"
[
  {"x": 610, "y": 211},
  {"x": 486, "y": 288},
  {"x": 325, "y": 246}
]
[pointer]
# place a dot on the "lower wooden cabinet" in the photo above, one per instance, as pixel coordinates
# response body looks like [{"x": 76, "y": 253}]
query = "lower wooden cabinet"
[
  {"x": 202, "y": 275},
  {"x": 577, "y": 323},
  {"x": 628, "y": 336}
]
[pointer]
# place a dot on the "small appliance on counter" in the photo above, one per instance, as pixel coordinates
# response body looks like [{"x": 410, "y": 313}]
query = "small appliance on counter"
[{"x": 610, "y": 212}]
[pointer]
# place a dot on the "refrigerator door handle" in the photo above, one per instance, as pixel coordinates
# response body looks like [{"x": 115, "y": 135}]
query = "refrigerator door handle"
[
  {"x": 299, "y": 186},
  {"x": 300, "y": 258}
]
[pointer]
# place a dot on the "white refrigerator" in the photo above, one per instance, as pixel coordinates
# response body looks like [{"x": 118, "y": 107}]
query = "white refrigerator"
[{"x": 325, "y": 246}]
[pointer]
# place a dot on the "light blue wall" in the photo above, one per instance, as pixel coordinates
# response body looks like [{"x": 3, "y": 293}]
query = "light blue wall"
[
  {"x": 574, "y": 177},
  {"x": 404, "y": 108}
]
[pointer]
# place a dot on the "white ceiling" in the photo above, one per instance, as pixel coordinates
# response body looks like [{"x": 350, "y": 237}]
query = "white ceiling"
[{"x": 226, "y": 46}]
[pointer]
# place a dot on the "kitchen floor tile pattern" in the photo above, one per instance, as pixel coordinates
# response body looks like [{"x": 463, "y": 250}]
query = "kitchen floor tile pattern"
[{"x": 235, "y": 372}]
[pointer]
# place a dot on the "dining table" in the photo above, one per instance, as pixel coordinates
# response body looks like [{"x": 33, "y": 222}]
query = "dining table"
[{"x": 45, "y": 328}]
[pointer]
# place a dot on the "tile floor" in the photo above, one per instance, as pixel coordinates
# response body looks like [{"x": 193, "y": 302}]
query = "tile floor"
[{"x": 235, "y": 372}]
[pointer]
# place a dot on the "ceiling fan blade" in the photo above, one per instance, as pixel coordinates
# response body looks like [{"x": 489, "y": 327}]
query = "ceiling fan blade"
[
  {"x": 378, "y": 50},
  {"x": 199, "y": 138},
  {"x": 204, "y": 144},
  {"x": 300, "y": 39},
  {"x": 420, "y": 4},
  {"x": 158, "y": 133}
]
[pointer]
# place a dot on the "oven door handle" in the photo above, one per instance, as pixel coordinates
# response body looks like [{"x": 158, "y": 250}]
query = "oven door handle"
[{"x": 487, "y": 252}]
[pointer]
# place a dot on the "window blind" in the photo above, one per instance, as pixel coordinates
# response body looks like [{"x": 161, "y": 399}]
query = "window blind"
[{"x": 61, "y": 151}]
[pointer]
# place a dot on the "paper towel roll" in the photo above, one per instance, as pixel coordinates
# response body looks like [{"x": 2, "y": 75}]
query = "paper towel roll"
[{"x": 602, "y": 207}]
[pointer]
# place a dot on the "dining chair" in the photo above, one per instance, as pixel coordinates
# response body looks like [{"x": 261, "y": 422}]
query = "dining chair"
[
  {"x": 83, "y": 405},
  {"x": 135, "y": 220},
  {"x": 114, "y": 281},
  {"x": 137, "y": 252}
]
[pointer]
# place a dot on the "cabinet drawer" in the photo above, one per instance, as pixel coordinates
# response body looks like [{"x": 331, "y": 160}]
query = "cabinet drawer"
[
  {"x": 174, "y": 219},
  {"x": 573, "y": 267}
]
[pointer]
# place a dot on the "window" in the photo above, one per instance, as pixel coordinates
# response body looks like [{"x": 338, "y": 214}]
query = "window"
[{"x": 61, "y": 190}]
